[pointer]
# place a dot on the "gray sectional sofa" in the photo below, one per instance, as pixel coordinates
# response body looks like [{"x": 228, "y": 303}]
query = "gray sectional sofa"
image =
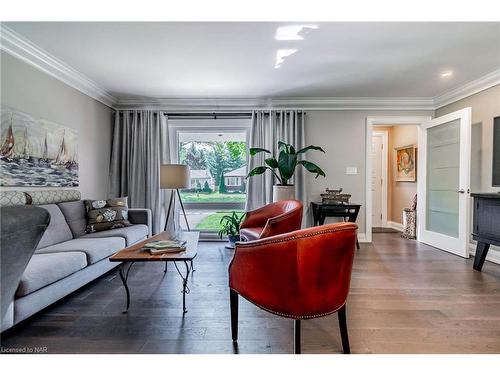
[{"x": 67, "y": 258}]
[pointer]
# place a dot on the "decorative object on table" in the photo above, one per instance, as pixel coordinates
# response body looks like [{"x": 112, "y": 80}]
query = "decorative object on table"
[
  {"x": 334, "y": 196},
  {"x": 231, "y": 228},
  {"x": 283, "y": 168},
  {"x": 406, "y": 163},
  {"x": 35, "y": 152},
  {"x": 165, "y": 246},
  {"x": 106, "y": 214},
  {"x": 347, "y": 211},
  {"x": 175, "y": 177},
  {"x": 410, "y": 221}
]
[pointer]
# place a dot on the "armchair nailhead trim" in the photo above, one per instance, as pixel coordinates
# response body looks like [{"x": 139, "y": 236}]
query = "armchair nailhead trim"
[{"x": 297, "y": 316}]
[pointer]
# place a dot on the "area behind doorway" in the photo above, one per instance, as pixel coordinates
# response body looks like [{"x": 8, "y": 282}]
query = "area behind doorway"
[{"x": 392, "y": 190}]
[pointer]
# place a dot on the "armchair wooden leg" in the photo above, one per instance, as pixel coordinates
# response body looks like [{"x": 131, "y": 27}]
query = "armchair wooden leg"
[
  {"x": 297, "y": 336},
  {"x": 233, "y": 301},
  {"x": 343, "y": 330}
]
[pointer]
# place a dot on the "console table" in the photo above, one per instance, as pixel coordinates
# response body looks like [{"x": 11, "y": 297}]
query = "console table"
[
  {"x": 486, "y": 225},
  {"x": 346, "y": 211}
]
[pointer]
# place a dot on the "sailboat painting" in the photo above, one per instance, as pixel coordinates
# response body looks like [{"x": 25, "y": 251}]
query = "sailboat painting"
[{"x": 36, "y": 152}]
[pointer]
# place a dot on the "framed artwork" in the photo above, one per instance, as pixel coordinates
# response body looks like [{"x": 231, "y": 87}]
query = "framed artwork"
[
  {"x": 36, "y": 152},
  {"x": 406, "y": 163}
]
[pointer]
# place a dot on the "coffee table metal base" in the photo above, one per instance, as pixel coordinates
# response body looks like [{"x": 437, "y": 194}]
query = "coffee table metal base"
[{"x": 125, "y": 270}]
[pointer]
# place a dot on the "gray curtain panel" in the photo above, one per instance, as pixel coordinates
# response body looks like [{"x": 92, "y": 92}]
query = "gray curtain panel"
[
  {"x": 269, "y": 127},
  {"x": 140, "y": 145}
]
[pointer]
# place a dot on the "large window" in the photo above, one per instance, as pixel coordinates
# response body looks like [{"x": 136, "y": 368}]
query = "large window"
[{"x": 216, "y": 152}]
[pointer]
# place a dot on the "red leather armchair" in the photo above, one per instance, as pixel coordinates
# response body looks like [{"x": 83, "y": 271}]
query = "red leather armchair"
[
  {"x": 299, "y": 275},
  {"x": 272, "y": 219}
]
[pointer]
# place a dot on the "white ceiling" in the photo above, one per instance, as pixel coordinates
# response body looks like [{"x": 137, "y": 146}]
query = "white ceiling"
[{"x": 236, "y": 60}]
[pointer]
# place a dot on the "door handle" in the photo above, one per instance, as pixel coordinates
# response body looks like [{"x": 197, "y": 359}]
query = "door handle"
[{"x": 461, "y": 191}]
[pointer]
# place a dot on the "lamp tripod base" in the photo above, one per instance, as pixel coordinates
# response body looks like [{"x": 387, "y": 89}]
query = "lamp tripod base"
[{"x": 171, "y": 207}]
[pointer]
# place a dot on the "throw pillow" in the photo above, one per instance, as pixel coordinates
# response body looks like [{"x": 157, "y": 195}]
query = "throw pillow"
[{"x": 106, "y": 214}]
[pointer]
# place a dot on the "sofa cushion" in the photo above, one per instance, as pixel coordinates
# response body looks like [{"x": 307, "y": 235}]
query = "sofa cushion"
[
  {"x": 45, "y": 269},
  {"x": 75, "y": 215},
  {"x": 95, "y": 248},
  {"x": 58, "y": 230},
  {"x": 12, "y": 198},
  {"x": 52, "y": 196},
  {"x": 104, "y": 215},
  {"x": 132, "y": 234}
]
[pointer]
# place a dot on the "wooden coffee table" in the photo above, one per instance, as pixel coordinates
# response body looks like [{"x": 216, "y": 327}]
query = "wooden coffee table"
[{"x": 137, "y": 253}]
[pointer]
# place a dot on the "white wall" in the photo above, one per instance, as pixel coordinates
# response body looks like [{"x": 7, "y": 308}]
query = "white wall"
[
  {"x": 342, "y": 134},
  {"x": 30, "y": 90}
]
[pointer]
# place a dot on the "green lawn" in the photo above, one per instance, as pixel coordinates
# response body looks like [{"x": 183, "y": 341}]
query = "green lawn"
[
  {"x": 212, "y": 197},
  {"x": 212, "y": 222}
]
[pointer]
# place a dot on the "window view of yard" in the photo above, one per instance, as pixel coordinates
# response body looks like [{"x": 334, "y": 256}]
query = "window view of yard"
[
  {"x": 212, "y": 221},
  {"x": 201, "y": 197},
  {"x": 218, "y": 170}
]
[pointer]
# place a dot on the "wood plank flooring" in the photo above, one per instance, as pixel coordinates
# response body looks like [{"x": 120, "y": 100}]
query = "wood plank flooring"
[{"x": 405, "y": 298}]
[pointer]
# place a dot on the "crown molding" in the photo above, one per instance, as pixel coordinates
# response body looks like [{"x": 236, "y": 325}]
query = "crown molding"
[
  {"x": 20, "y": 47},
  {"x": 470, "y": 88},
  {"x": 310, "y": 103}
]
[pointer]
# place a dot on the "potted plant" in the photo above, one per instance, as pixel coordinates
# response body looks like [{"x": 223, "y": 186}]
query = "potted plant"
[
  {"x": 231, "y": 228},
  {"x": 283, "y": 168}
]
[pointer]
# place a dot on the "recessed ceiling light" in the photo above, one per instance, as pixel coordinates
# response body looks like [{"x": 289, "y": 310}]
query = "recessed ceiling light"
[
  {"x": 293, "y": 32},
  {"x": 281, "y": 55},
  {"x": 446, "y": 74}
]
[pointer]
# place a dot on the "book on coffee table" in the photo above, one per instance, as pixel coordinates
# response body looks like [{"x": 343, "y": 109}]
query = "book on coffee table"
[{"x": 161, "y": 247}]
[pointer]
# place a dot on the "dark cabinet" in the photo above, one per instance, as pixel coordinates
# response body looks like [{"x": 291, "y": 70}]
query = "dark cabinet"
[{"x": 486, "y": 225}]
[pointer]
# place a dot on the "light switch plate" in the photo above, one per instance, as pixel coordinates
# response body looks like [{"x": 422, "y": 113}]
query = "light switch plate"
[{"x": 351, "y": 170}]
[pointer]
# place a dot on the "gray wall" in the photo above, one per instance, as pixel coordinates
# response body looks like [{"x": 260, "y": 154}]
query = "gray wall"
[
  {"x": 485, "y": 106},
  {"x": 343, "y": 136},
  {"x": 29, "y": 90}
]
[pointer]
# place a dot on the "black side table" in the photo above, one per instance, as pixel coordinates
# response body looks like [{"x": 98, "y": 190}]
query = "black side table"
[{"x": 346, "y": 211}]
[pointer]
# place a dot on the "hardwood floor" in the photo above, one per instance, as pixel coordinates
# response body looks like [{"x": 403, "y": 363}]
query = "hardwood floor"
[{"x": 405, "y": 298}]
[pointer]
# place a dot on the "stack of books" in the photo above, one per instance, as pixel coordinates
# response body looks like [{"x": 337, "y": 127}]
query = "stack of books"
[{"x": 163, "y": 247}]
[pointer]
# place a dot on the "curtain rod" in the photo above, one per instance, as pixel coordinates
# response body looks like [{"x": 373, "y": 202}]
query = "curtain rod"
[
  {"x": 215, "y": 115},
  {"x": 209, "y": 115}
]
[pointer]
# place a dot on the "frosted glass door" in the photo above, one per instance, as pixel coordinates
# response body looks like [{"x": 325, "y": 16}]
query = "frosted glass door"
[
  {"x": 443, "y": 197},
  {"x": 443, "y": 158}
]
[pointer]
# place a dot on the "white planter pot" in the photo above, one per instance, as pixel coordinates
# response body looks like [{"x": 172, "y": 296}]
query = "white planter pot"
[{"x": 283, "y": 193}]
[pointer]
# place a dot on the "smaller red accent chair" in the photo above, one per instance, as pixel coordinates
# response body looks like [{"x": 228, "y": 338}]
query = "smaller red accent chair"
[
  {"x": 299, "y": 275},
  {"x": 272, "y": 219}
]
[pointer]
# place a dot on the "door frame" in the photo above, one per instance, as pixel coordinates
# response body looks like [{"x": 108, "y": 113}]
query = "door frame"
[
  {"x": 371, "y": 121},
  {"x": 464, "y": 180},
  {"x": 385, "y": 168}
]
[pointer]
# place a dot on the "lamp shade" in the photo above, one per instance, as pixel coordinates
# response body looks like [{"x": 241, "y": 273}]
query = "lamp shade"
[{"x": 174, "y": 176}]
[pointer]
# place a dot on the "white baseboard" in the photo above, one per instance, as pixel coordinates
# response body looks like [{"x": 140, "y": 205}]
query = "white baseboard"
[
  {"x": 394, "y": 225},
  {"x": 493, "y": 253},
  {"x": 362, "y": 238}
]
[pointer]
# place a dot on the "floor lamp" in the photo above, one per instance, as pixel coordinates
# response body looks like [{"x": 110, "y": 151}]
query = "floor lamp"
[{"x": 175, "y": 177}]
